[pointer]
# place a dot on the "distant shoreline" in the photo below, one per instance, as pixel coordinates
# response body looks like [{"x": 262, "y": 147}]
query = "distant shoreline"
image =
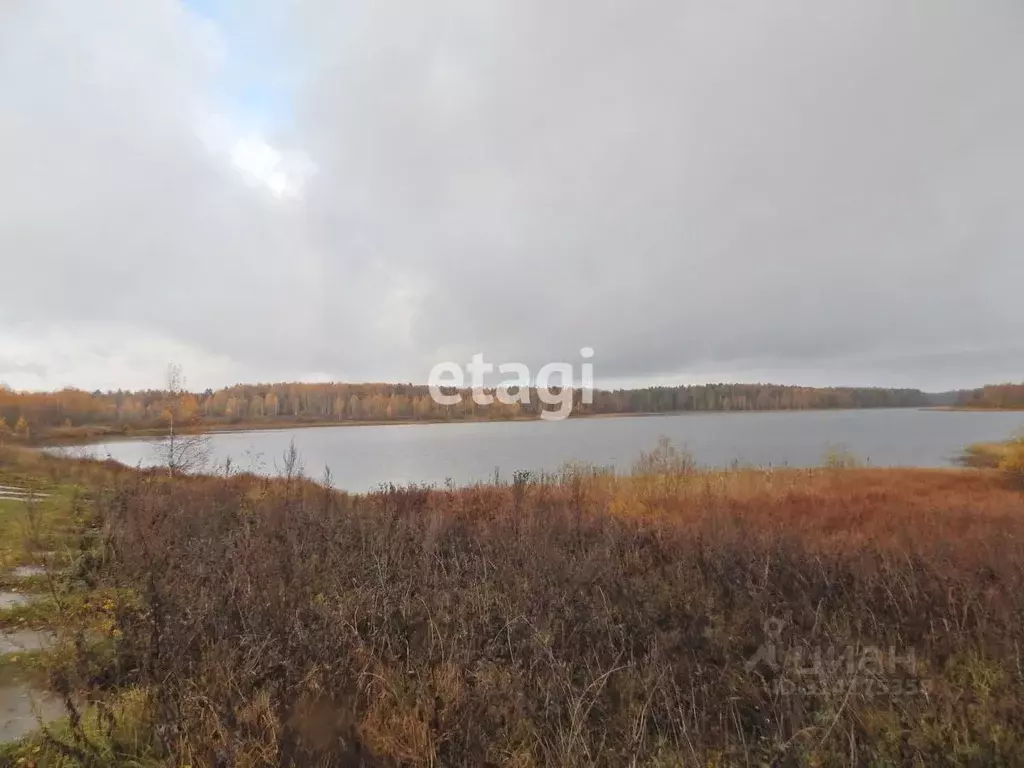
[
  {"x": 980, "y": 409},
  {"x": 256, "y": 426},
  {"x": 251, "y": 426}
]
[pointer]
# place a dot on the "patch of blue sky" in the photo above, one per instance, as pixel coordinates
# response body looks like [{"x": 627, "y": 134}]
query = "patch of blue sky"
[{"x": 252, "y": 89}]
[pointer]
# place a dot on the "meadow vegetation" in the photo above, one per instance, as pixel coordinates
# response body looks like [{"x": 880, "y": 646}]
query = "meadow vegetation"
[
  {"x": 675, "y": 616},
  {"x": 1006, "y": 457}
]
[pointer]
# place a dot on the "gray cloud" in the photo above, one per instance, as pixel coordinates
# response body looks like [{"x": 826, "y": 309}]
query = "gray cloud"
[{"x": 806, "y": 190}]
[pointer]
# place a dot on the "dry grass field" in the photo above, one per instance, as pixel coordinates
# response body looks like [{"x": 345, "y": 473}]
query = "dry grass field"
[{"x": 836, "y": 616}]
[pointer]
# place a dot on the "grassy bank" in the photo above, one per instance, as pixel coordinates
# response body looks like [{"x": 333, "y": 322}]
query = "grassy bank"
[
  {"x": 1007, "y": 457},
  {"x": 675, "y": 617}
]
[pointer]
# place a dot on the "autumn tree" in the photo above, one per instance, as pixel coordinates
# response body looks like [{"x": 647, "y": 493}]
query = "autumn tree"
[
  {"x": 177, "y": 411},
  {"x": 179, "y": 450}
]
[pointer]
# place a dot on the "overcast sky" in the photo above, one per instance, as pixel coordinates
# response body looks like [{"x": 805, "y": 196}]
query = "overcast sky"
[{"x": 806, "y": 191}]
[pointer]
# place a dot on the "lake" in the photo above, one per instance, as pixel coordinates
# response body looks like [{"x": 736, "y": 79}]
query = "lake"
[{"x": 361, "y": 458}]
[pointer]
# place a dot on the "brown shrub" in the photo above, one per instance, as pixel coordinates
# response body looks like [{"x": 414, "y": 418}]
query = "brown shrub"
[{"x": 591, "y": 621}]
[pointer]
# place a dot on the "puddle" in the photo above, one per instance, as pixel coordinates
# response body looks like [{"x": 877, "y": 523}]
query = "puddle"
[
  {"x": 21, "y": 709},
  {"x": 10, "y": 599},
  {"x": 28, "y": 571},
  {"x": 21, "y": 640}
]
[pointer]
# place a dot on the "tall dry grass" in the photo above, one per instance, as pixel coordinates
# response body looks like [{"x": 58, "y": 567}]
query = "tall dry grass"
[{"x": 576, "y": 619}]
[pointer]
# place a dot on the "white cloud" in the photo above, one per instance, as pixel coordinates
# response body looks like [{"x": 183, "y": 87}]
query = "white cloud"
[
  {"x": 690, "y": 189},
  {"x": 97, "y": 356},
  {"x": 282, "y": 172},
  {"x": 263, "y": 163}
]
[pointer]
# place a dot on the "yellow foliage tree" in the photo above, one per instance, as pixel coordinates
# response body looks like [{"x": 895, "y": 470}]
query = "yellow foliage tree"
[{"x": 1012, "y": 462}]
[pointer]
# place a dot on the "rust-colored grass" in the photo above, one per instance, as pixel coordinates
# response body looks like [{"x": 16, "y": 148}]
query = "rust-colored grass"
[{"x": 674, "y": 617}]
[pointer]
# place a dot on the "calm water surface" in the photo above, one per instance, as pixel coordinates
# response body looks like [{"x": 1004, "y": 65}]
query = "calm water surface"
[{"x": 361, "y": 458}]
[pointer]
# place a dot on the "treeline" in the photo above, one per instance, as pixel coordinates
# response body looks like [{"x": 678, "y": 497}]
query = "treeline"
[
  {"x": 1009, "y": 396},
  {"x": 752, "y": 397},
  {"x": 34, "y": 414}
]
